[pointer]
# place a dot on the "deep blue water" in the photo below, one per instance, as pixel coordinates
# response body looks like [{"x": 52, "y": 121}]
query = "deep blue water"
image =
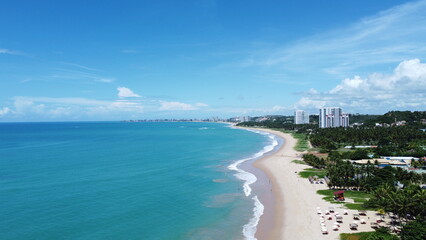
[{"x": 111, "y": 180}]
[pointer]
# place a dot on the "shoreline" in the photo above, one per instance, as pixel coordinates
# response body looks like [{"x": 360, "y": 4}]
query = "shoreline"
[
  {"x": 268, "y": 164},
  {"x": 296, "y": 200},
  {"x": 271, "y": 222},
  {"x": 258, "y": 187}
]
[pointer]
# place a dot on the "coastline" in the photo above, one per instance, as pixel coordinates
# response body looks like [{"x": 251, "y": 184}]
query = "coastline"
[
  {"x": 296, "y": 200},
  {"x": 285, "y": 183},
  {"x": 271, "y": 224}
]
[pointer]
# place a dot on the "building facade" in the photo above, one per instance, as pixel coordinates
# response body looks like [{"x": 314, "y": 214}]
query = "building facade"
[
  {"x": 333, "y": 117},
  {"x": 301, "y": 117}
]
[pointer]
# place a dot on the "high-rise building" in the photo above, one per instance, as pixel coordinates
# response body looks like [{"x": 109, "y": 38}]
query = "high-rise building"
[
  {"x": 333, "y": 117},
  {"x": 345, "y": 120},
  {"x": 301, "y": 117}
]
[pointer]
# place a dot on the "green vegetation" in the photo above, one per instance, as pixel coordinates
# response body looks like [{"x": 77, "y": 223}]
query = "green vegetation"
[
  {"x": 409, "y": 201},
  {"x": 343, "y": 174},
  {"x": 311, "y": 172},
  {"x": 359, "y": 199},
  {"x": 379, "y": 234},
  {"x": 329, "y": 197},
  {"x": 298, "y": 162},
  {"x": 411, "y": 118},
  {"x": 363, "y": 118},
  {"x": 314, "y": 161},
  {"x": 402, "y": 139},
  {"x": 355, "y": 236},
  {"x": 414, "y": 230},
  {"x": 302, "y": 142},
  {"x": 389, "y": 189}
]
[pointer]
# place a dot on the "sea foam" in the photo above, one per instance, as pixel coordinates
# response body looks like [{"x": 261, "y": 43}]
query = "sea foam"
[{"x": 249, "y": 230}]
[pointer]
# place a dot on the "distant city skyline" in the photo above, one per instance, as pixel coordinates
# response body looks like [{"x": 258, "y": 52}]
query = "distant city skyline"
[{"x": 84, "y": 61}]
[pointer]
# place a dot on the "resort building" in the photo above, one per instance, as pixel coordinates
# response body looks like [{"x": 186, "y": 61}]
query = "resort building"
[
  {"x": 333, "y": 117},
  {"x": 301, "y": 117},
  {"x": 404, "y": 162}
]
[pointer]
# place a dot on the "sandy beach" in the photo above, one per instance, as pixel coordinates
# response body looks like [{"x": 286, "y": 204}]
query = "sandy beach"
[{"x": 296, "y": 201}]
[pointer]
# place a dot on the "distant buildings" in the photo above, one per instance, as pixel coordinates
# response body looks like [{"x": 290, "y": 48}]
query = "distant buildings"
[
  {"x": 240, "y": 119},
  {"x": 333, "y": 117},
  {"x": 245, "y": 118},
  {"x": 301, "y": 117},
  {"x": 404, "y": 162}
]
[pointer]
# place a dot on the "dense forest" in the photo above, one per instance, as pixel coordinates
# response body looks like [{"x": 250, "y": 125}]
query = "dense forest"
[
  {"x": 391, "y": 141},
  {"x": 405, "y": 139}
]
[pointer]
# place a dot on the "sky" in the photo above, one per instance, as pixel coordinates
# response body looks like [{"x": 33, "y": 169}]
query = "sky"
[{"x": 115, "y": 60}]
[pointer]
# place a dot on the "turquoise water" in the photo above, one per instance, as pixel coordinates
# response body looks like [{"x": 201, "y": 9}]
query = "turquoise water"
[{"x": 111, "y": 180}]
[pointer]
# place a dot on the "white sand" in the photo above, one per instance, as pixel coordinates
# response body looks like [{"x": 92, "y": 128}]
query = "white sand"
[{"x": 296, "y": 205}]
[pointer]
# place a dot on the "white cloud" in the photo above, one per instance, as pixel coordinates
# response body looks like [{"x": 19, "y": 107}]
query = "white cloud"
[
  {"x": 119, "y": 106},
  {"x": 405, "y": 87},
  {"x": 7, "y": 51},
  {"x": 376, "y": 41},
  {"x": 201, "y": 105},
  {"x": 4, "y": 111},
  {"x": 124, "y": 92},
  {"x": 23, "y": 106},
  {"x": 278, "y": 108},
  {"x": 176, "y": 106},
  {"x": 307, "y": 102},
  {"x": 60, "y": 108},
  {"x": 60, "y": 111},
  {"x": 80, "y": 66},
  {"x": 69, "y": 101},
  {"x": 105, "y": 80},
  {"x": 79, "y": 73}
]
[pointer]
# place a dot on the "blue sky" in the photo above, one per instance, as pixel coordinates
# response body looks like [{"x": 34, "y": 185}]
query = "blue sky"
[{"x": 112, "y": 60}]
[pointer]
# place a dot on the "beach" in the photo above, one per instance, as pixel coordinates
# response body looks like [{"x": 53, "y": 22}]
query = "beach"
[{"x": 296, "y": 201}]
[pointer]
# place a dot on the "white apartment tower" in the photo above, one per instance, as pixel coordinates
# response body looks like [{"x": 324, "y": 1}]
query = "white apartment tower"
[
  {"x": 333, "y": 117},
  {"x": 301, "y": 117}
]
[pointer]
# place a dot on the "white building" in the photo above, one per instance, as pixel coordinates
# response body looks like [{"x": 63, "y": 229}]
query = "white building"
[
  {"x": 301, "y": 117},
  {"x": 332, "y": 117},
  {"x": 245, "y": 119}
]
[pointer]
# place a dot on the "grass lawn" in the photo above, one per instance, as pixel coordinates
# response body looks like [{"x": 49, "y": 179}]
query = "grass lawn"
[
  {"x": 302, "y": 142},
  {"x": 310, "y": 172},
  {"x": 299, "y": 162},
  {"x": 355, "y": 236},
  {"x": 358, "y": 197}
]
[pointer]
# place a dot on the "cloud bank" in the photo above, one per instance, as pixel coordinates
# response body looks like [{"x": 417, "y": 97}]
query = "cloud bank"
[
  {"x": 177, "y": 106},
  {"x": 404, "y": 88}
]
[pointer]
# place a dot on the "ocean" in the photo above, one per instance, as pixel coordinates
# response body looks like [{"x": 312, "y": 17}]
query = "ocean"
[{"x": 116, "y": 180}]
